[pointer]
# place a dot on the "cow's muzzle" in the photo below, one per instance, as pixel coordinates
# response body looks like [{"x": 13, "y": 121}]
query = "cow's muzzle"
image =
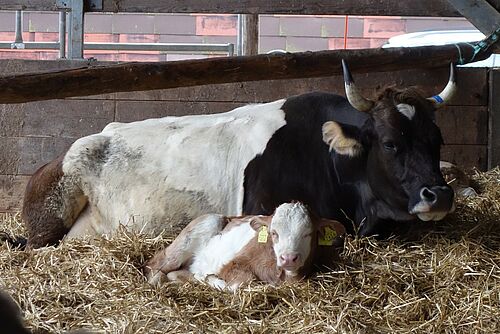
[{"x": 434, "y": 203}]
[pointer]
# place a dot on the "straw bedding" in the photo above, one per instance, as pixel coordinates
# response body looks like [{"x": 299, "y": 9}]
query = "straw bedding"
[{"x": 445, "y": 279}]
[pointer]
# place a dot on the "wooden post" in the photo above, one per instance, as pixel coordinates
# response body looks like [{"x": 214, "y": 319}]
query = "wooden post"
[
  {"x": 494, "y": 119},
  {"x": 250, "y": 34},
  {"x": 480, "y": 13}
]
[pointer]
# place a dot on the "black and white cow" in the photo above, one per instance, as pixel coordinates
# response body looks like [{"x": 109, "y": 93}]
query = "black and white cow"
[{"x": 348, "y": 159}]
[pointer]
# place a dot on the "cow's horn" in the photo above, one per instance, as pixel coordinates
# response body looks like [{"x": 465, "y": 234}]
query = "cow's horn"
[
  {"x": 355, "y": 98},
  {"x": 448, "y": 91}
]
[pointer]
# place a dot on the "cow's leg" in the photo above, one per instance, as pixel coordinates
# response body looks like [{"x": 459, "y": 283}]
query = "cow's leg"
[
  {"x": 51, "y": 204},
  {"x": 192, "y": 238}
]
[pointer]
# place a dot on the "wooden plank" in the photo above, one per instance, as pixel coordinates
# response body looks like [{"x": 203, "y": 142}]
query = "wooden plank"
[
  {"x": 472, "y": 87},
  {"x": 463, "y": 125},
  {"x": 494, "y": 120},
  {"x": 37, "y": 5},
  {"x": 301, "y": 7},
  {"x": 148, "y": 76},
  {"x": 55, "y": 118},
  {"x": 130, "y": 111},
  {"x": 467, "y": 156},
  {"x": 24, "y": 155},
  {"x": 12, "y": 192},
  {"x": 480, "y": 13}
]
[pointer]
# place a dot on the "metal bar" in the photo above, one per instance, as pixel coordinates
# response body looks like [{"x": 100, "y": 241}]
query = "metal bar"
[
  {"x": 166, "y": 47},
  {"x": 75, "y": 32},
  {"x": 62, "y": 34},
  {"x": 19, "y": 27}
]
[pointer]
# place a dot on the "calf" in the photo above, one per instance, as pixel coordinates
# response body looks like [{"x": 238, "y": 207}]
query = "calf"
[{"x": 226, "y": 252}]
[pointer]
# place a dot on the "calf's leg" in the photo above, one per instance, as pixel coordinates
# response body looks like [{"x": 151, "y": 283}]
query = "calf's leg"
[{"x": 179, "y": 253}]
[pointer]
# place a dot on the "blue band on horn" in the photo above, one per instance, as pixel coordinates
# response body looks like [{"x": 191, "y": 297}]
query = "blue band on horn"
[{"x": 438, "y": 99}]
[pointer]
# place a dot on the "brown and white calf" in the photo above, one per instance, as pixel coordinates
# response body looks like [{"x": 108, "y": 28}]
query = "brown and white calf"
[{"x": 226, "y": 252}]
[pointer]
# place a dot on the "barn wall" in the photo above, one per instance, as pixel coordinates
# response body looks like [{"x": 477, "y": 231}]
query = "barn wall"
[{"x": 32, "y": 134}]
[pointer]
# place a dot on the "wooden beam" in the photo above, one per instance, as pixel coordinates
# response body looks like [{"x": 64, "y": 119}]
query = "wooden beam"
[
  {"x": 38, "y": 5},
  {"x": 434, "y": 8},
  {"x": 161, "y": 75},
  {"x": 480, "y": 13},
  {"x": 302, "y": 7},
  {"x": 494, "y": 119}
]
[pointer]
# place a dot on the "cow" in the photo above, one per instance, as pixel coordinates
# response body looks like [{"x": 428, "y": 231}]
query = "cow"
[
  {"x": 227, "y": 252},
  {"x": 367, "y": 163}
]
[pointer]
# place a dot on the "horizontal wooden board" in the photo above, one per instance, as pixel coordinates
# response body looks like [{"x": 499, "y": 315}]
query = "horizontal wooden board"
[
  {"x": 472, "y": 87},
  {"x": 12, "y": 192},
  {"x": 129, "y": 111},
  {"x": 55, "y": 118},
  {"x": 312, "y": 7},
  {"x": 24, "y": 155},
  {"x": 467, "y": 156},
  {"x": 463, "y": 124}
]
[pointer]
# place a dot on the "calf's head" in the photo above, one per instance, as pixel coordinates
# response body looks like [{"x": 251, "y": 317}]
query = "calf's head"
[
  {"x": 396, "y": 151},
  {"x": 294, "y": 235}
]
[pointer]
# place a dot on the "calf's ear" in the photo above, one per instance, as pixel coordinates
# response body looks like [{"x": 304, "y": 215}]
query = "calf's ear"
[
  {"x": 341, "y": 138},
  {"x": 330, "y": 233},
  {"x": 258, "y": 221},
  {"x": 325, "y": 225}
]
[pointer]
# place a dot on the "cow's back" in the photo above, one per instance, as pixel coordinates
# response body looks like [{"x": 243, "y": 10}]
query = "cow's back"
[{"x": 160, "y": 173}]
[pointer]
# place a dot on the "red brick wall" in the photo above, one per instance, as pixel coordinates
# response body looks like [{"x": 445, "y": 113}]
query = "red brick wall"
[{"x": 286, "y": 32}]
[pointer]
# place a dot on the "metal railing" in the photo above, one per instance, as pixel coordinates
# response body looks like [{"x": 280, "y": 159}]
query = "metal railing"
[{"x": 173, "y": 48}]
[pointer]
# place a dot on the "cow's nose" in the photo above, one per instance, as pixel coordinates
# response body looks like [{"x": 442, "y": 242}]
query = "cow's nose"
[
  {"x": 438, "y": 198},
  {"x": 289, "y": 259},
  {"x": 428, "y": 195}
]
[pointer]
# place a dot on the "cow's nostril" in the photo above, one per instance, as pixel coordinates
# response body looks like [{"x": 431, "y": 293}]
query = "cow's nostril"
[
  {"x": 428, "y": 195},
  {"x": 295, "y": 258}
]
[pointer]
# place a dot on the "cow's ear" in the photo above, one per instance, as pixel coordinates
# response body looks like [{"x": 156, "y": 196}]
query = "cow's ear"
[
  {"x": 343, "y": 139},
  {"x": 326, "y": 225},
  {"x": 258, "y": 221}
]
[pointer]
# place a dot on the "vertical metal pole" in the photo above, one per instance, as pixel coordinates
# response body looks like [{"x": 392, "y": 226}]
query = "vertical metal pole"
[
  {"x": 19, "y": 27},
  {"x": 62, "y": 34},
  {"x": 75, "y": 31},
  {"x": 230, "y": 50}
]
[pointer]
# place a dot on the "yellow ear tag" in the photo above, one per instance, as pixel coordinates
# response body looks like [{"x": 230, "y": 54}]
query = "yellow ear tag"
[
  {"x": 262, "y": 238},
  {"x": 328, "y": 237}
]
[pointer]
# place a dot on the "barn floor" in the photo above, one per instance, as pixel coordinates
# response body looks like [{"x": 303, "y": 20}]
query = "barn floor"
[{"x": 446, "y": 281}]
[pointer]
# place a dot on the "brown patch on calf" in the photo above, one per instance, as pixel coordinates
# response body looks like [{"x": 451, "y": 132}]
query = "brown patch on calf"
[
  {"x": 48, "y": 211},
  {"x": 256, "y": 261}
]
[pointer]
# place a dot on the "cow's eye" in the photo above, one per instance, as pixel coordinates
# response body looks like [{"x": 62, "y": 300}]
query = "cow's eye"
[
  {"x": 274, "y": 235},
  {"x": 389, "y": 146}
]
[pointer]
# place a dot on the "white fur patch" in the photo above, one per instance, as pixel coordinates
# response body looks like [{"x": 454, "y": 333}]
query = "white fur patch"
[
  {"x": 292, "y": 223},
  {"x": 160, "y": 173},
  {"x": 407, "y": 110},
  {"x": 219, "y": 250}
]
